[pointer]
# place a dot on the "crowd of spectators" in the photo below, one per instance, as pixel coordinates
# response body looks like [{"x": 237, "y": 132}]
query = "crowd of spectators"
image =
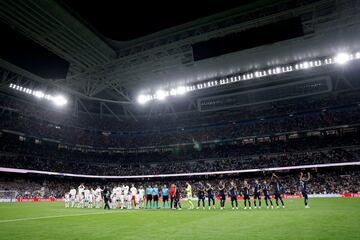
[
  {"x": 293, "y": 115},
  {"x": 182, "y": 119},
  {"x": 178, "y": 136},
  {"x": 48, "y": 157}
]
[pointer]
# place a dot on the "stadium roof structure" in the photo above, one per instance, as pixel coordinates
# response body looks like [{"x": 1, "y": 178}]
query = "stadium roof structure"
[{"x": 111, "y": 74}]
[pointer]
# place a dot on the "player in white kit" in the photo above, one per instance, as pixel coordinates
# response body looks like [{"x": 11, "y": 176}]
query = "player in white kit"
[
  {"x": 98, "y": 197},
  {"x": 86, "y": 197},
  {"x": 77, "y": 201},
  {"x": 91, "y": 198},
  {"x": 81, "y": 189},
  {"x": 133, "y": 192},
  {"x": 72, "y": 196},
  {"x": 122, "y": 198},
  {"x": 67, "y": 200},
  {"x": 113, "y": 198},
  {"x": 118, "y": 193},
  {"x": 137, "y": 200},
  {"x": 142, "y": 195},
  {"x": 126, "y": 195}
]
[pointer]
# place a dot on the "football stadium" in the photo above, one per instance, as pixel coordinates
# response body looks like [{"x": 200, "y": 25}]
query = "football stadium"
[{"x": 179, "y": 120}]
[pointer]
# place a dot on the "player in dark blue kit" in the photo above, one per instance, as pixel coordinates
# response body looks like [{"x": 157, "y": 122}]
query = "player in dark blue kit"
[
  {"x": 267, "y": 197},
  {"x": 210, "y": 196},
  {"x": 303, "y": 188},
  {"x": 222, "y": 195},
  {"x": 201, "y": 196},
  {"x": 233, "y": 195},
  {"x": 277, "y": 187},
  {"x": 257, "y": 193},
  {"x": 246, "y": 194}
]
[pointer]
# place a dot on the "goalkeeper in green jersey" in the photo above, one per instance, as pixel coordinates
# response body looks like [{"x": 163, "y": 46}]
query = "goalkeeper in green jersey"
[{"x": 189, "y": 195}]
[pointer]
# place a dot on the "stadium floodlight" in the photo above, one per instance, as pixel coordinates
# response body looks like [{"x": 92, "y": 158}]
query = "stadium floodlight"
[
  {"x": 161, "y": 94},
  {"x": 38, "y": 94},
  {"x": 48, "y": 97},
  {"x": 342, "y": 58},
  {"x": 142, "y": 99},
  {"x": 173, "y": 92},
  {"x": 181, "y": 90},
  {"x": 59, "y": 100},
  {"x": 305, "y": 65}
]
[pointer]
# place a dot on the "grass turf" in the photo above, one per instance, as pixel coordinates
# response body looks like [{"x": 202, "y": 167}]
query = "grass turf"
[{"x": 334, "y": 218}]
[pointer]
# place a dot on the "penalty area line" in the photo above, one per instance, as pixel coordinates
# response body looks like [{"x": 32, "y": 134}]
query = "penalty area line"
[{"x": 60, "y": 216}]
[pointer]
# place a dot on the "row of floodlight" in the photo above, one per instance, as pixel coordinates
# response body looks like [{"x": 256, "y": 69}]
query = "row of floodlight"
[
  {"x": 58, "y": 100},
  {"x": 162, "y": 94}
]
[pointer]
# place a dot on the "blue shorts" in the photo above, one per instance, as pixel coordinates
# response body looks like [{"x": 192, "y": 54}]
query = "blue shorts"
[{"x": 305, "y": 195}]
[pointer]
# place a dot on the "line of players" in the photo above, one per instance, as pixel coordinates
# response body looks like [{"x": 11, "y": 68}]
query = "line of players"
[
  {"x": 129, "y": 198},
  {"x": 120, "y": 197}
]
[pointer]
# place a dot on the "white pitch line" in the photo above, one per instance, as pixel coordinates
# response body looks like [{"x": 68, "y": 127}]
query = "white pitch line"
[{"x": 59, "y": 216}]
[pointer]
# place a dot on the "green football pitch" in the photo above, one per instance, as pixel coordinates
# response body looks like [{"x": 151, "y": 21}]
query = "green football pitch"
[{"x": 334, "y": 218}]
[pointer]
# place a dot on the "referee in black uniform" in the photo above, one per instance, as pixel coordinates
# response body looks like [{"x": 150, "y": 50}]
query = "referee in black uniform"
[{"x": 106, "y": 196}]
